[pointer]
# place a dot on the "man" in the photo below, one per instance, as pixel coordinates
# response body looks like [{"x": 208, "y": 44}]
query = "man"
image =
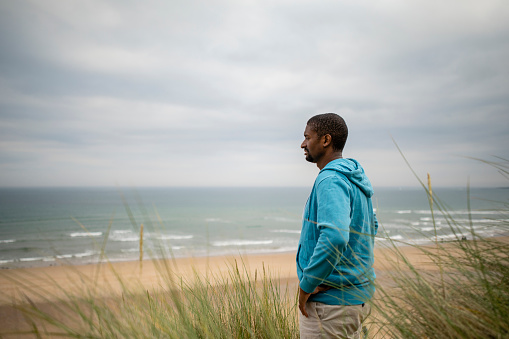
[{"x": 335, "y": 253}]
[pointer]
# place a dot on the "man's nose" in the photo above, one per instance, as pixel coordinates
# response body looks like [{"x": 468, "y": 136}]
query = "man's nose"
[{"x": 303, "y": 145}]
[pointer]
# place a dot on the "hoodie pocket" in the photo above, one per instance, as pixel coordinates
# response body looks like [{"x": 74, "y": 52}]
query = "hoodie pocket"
[
  {"x": 306, "y": 250},
  {"x": 299, "y": 258}
]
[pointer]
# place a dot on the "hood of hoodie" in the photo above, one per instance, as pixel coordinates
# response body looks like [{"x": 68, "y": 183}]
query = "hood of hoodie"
[{"x": 353, "y": 171}]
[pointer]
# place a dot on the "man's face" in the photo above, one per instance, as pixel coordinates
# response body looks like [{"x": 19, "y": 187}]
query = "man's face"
[{"x": 312, "y": 145}]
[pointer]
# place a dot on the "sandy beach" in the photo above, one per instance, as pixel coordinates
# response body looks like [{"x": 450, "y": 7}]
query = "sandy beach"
[{"x": 47, "y": 285}]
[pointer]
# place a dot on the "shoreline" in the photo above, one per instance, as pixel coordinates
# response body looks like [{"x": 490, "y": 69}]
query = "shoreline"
[
  {"x": 75, "y": 262},
  {"x": 380, "y": 244}
]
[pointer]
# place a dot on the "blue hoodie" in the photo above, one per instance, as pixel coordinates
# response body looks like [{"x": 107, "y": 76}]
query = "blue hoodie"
[{"x": 337, "y": 238}]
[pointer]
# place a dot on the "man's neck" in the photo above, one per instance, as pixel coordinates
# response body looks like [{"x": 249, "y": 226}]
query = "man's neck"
[{"x": 328, "y": 158}]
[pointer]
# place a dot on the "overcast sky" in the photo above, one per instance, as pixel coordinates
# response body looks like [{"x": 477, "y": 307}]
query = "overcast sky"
[{"x": 217, "y": 93}]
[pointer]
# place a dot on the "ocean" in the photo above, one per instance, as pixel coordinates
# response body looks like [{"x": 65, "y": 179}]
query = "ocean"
[{"x": 54, "y": 226}]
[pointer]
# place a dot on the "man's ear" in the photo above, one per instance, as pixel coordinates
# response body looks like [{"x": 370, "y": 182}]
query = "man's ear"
[{"x": 327, "y": 140}]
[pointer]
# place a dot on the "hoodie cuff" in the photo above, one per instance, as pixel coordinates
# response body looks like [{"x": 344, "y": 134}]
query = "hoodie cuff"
[{"x": 307, "y": 286}]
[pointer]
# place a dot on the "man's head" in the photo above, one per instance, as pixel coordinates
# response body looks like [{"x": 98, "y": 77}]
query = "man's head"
[
  {"x": 332, "y": 124},
  {"x": 325, "y": 136}
]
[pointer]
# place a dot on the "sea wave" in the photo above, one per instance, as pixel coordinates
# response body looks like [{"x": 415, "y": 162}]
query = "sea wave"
[
  {"x": 84, "y": 254},
  {"x": 283, "y": 219},
  {"x": 76, "y": 255},
  {"x": 482, "y": 221},
  {"x": 461, "y": 212},
  {"x": 37, "y": 259},
  {"x": 428, "y": 219},
  {"x": 125, "y": 239},
  {"x": 60, "y": 256},
  {"x": 428, "y": 229},
  {"x": 85, "y": 234},
  {"x": 175, "y": 237},
  {"x": 30, "y": 259},
  {"x": 275, "y": 250},
  {"x": 241, "y": 243},
  {"x": 286, "y": 231},
  {"x": 137, "y": 250},
  {"x": 130, "y": 250},
  {"x": 122, "y": 231},
  {"x": 218, "y": 220},
  {"x": 7, "y": 241},
  {"x": 64, "y": 256},
  {"x": 462, "y": 220},
  {"x": 395, "y": 237},
  {"x": 124, "y": 236},
  {"x": 394, "y": 225},
  {"x": 485, "y": 212}
]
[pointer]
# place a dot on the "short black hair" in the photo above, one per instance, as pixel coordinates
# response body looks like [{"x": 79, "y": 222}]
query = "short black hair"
[{"x": 332, "y": 124}]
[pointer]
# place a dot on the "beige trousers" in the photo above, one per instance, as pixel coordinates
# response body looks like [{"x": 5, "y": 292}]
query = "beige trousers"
[{"x": 333, "y": 321}]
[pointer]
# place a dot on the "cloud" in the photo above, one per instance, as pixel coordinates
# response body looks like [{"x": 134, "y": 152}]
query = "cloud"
[{"x": 152, "y": 93}]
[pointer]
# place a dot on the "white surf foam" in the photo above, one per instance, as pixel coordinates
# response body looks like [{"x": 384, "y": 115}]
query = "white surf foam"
[
  {"x": 286, "y": 231},
  {"x": 241, "y": 243},
  {"x": 86, "y": 234},
  {"x": 175, "y": 237}
]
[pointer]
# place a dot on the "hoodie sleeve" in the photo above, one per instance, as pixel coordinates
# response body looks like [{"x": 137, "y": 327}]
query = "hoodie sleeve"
[{"x": 333, "y": 222}]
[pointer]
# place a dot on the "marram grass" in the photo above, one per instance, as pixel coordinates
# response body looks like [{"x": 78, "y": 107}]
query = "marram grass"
[
  {"x": 235, "y": 305},
  {"x": 465, "y": 294},
  {"x": 470, "y": 299}
]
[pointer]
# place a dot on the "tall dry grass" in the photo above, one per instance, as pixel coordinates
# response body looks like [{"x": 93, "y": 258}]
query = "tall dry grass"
[
  {"x": 466, "y": 292},
  {"x": 232, "y": 305}
]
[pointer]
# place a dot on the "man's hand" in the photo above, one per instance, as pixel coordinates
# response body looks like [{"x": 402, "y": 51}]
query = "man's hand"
[{"x": 303, "y": 298}]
